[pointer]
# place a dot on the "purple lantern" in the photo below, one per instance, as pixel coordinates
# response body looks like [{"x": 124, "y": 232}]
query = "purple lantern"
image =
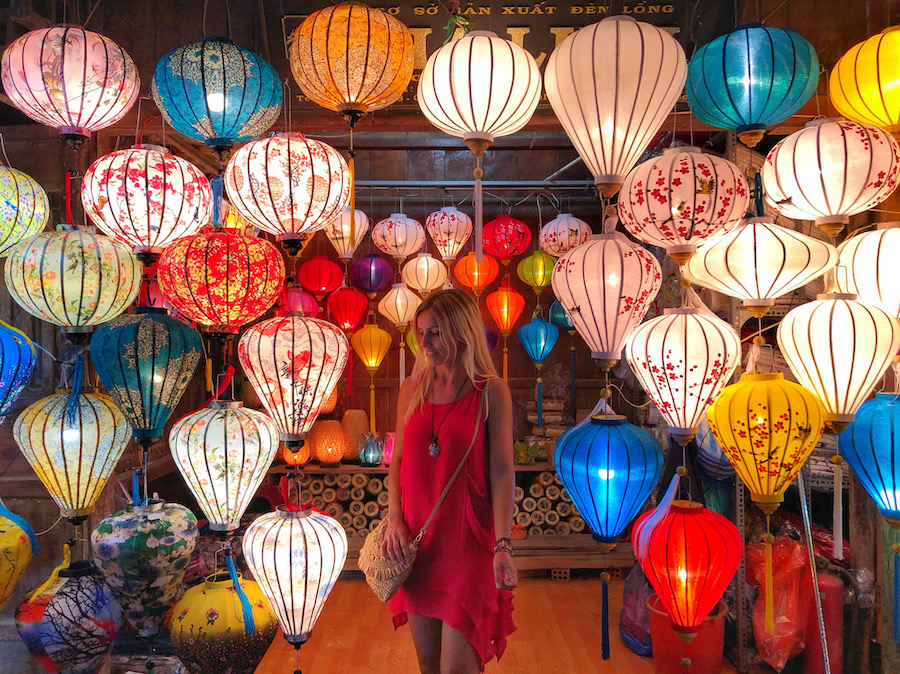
[{"x": 371, "y": 273}]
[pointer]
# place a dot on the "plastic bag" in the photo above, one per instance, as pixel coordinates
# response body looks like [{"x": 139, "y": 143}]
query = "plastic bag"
[
  {"x": 789, "y": 563},
  {"x": 634, "y": 619}
]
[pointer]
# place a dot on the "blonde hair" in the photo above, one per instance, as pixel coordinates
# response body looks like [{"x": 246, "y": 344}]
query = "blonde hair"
[{"x": 462, "y": 335}]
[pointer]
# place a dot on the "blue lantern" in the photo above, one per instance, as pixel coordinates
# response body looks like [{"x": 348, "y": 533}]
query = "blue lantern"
[
  {"x": 217, "y": 92},
  {"x": 712, "y": 460},
  {"x": 751, "y": 78},
  {"x": 538, "y": 337},
  {"x": 561, "y": 319},
  {"x": 491, "y": 336},
  {"x": 17, "y": 359},
  {"x": 370, "y": 274}
]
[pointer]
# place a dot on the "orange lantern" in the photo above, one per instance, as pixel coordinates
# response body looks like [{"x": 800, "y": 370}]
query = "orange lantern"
[
  {"x": 327, "y": 438},
  {"x": 505, "y": 305},
  {"x": 476, "y": 275}
]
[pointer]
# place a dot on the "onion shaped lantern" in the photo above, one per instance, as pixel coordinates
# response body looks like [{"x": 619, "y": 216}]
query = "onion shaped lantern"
[
  {"x": 506, "y": 237},
  {"x": 759, "y": 261},
  {"x": 293, "y": 363},
  {"x": 347, "y": 306},
  {"x": 449, "y": 228},
  {"x": 223, "y": 452},
  {"x": 371, "y": 273},
  {"x": 19, "y": 544},
  {"x": 215, "y": 91},
  {"x": 320, "y": 276},
  {"x": 71, "y": 79},
  {"x": 294, "y": 299},
  {"x": 221, "y": 280},
  {"x": 24, "y": 208},
  {"x": 831, "y": 170},
  {"x": 682, "y": 197},
  {"x": 72, "y": 278},
  {"x": 682, "y": 360},
  {"x": 868, "y": 267},
  {"x": 537, "y": 271},
  {"x": 476, "y": 275},
  {"x": 751, "y": 78},
  {"x": 146, "y": 198},
  {"x": 73, "y": 451},
  {"x": 399, "y": 305},
  {"x": 398, "y": 236},
  {"x": 412, "y": 343},
  {"x": 562, "y": 234},
  {"x": 612, "y": 84},
  {"x": 371, "y": 344},
  {"x": 864, "y": 82},
  {"x": 538, "y": 337},
  {"x": 17, "y": 360},
  {"x": 346, "y": 236},
  {"x": 424, "y": 274},
  {"x": 838, "y": 348},
  {"x": 505, "y": 306}
]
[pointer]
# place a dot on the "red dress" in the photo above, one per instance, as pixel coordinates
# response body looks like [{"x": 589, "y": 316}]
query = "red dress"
[{"x": 453, "y": 575}]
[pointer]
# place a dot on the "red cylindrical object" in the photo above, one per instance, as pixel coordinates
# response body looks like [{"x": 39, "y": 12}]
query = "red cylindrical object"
[
  {"x": 831, "y": 588},
  {"x": 669, "y": 649}
]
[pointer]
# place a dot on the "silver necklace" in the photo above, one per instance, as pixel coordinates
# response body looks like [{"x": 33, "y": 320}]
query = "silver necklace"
[{"x": 434, "y": 449}]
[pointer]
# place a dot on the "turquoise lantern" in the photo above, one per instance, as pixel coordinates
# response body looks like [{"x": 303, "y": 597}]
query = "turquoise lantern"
[
  {"x": 17, "y": 359},
  {"x": 215, "y": 91},
  {"x": 561, "y": 319},
  {"x": 751, "y": 78},
  {"x": 538, "y": 337}
]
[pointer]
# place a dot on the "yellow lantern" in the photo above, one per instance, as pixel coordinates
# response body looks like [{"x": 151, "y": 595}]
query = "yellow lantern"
[
  {"x": 865, "y": 82},
  {"x": 371, "y": 344},
  {"x": 19, "y": 544},
  {"x": 327, "y": 440},
  {"x": 537, "y": 271}
]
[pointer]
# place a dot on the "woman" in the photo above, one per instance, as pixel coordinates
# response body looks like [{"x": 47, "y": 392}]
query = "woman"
[{"x": 458, "y": 599}]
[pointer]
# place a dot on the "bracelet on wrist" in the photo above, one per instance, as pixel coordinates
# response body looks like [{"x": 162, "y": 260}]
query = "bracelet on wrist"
[{"x": 503, "y": 545}]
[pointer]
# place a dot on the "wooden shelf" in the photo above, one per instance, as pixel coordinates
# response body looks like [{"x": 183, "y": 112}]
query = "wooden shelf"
[{"x": 536, "y": 467}]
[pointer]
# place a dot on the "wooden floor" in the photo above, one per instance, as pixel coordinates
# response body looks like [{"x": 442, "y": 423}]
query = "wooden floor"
[{"x": 558, "y": 631}]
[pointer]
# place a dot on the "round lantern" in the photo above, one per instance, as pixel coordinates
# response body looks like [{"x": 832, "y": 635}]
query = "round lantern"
[
  {"x": 146, "y": 198},
  {"x": 864, "y": 81},
  {"x": 207, "y": 627},
  {"x": 215, "y": 91},
  {"x": 221, "y": 280},
  {"x": 347, "y": 306},
  {"x": 355, "y": 425},
  {"x": 329, "y": 444},
  {"x": 398, "y": 236},
  {"x": 73, "y": 451},
  {"x": 506, "y": 237},
  {"x": 424, "y": 274},
  {"x": 689, "y": 557},
  {"x": 70, "y": 624},
  {"x": 759, "y": 261},
  {"x": 288, "y": 185},
  {"x": 296, "y": 557},
  {"x": 537, "y": 271},
  {"x": 371, "y": 273},
  {"x": 143, "y": 552},
  {"x": 606, "y": 287},
  {"x": 449, "y": 228},
  {"x": 562, "y": 234},
  {"x": 476, "y": 275},
  {"x": 838, "y": 348},
  {"x": 295, "y": 300},
  {"x": 145, "y": 360},
  {"x": 24, "y": 208},
  {"x": 505, "y": 306},
  {"x": 320, "y": 276},
  {"x": 72, "y": 278},
  {"x": 399, "y": 305},
  {"x": 345, "y": 235},
  {"x": 17, "y": 361},
  {"x": 867, "y": 267},
  {"x": 767, "y": 427},
  {"x": 19, "y": 544},
  {"x": 751, "y": 78},
  {"x": 352, "y": 58},
  {"x": 612, "y": 84},
  {"x": 682, "y": 360},
  {"x": 371, "y": 344},
  {"x": 71, "y": 79},
  {"x": 682, "y": 197},
  {"x": 223, "y": 452},
  {"x": 831, "y": 170},
  {"x": 293, "y": 363},
  {"x": 609, "y": 467}
]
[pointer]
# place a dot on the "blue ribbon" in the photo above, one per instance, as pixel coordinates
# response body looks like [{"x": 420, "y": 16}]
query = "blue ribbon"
[
  {"x": 135, "y": 489},
  {"x": 540, "y": 406},
  {"x": 758, "y": 202},
  {"x": 604, "y": 640},
  {"x": 216, "y": 184},
  {"x": 249, "y": 624},
  {"x": 72, "y": 403}
]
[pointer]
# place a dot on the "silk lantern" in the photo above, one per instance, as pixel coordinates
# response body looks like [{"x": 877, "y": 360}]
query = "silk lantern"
[
  {"x": 612, "y": 84},
  {"x": 476, "y": 275},
  {"x": 71, "y": 79},
  {"x": 398, "y": 236},
  {"x": 681, "y": 198},
  {"x": 449, "y": 228},
  {"x": 146, "y": 197},
  {"x": 710, "y": 457},
  {"x": 19, "y": 544},
  {"x": 399, "y": 306},
  {"x": 538, "y": 337},
  {"x": 868, "y": 267},
  {"x": 371, "y": 344},
  {"x": 759, "y": 261},
  {"x": 864, "y": 81},
  {"x": 424, "y": 274},
  {"x": 831, "y": 170},
  {"x": 294, "y": 299},
  {"x": 537, "y": 271},
  {"x": 505, "y": 306},
  {"x": 73, "y": 451},
  {"x": 346, "y": 236},
  {"x": 682, "y": 360},
  {"x": 24, "y": 208},
  {"x": 371, "y": 273},
  {"x": 216, "y": 91},
  {"x": 320, "y": 276},
  {"x": 506, "y": 237},
  {"x": 751, "y": 78},
  {"x": 17, "y": 360},
  {"x": 562, "y": 234},
  {"x": 347, "y": 306}
]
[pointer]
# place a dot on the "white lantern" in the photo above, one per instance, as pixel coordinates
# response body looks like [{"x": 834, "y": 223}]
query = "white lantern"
[
  {"x": 870, "y": 267},
  {"x": 399, "y": 305},
  {"x": 449, "y": 228},
  {"x": 223, "y": 452},
  {"x": 612, "y": 85},
  {"x": 424, "y": 274},
  {"x": 562, "y": 234},
  {"x": 759, "y": 261},
  {"x": 830, "y": 170},
  {"x": 346, "y": 237},
  {"x": 296, "y": 557},
  {"x": 839, "y": 348},
  {"x": 682, "y": 197},
  {"x": 683, "y": 359},
  {"x": 606, "y": 286},
  {"x": 398, "y": 236}
]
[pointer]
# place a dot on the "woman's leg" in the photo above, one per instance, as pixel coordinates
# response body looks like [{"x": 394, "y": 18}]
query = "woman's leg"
[
  {"x": 457, "y": 654},
  {"x": 426, "y": 634}
]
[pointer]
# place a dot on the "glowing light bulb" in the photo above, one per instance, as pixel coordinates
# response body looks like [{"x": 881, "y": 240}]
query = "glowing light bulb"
[
  {"x": 71, "y": 435},
  {"x": 606, "y": 474},
  {"x": 215, "y": 101},
  {"x": 612, "y": 280},
  {"x": 157, "y": 378},
  {"x": 682, "y": 575},
  {"x": 760, "y": 421}
]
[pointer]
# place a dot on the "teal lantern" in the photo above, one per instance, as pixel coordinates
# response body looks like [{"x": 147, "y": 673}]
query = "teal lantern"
[
  {"x": 561, "y": 319},
  {"x": 17, "y": 359},
  {"x": 371, "y": 451},
  {"x": 215, "y": 91},
  {"x": 538, "y": 337},
  {"x": 751, "y": 78}
]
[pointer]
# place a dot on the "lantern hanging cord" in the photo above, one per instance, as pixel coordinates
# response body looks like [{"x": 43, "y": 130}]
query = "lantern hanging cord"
[
  {"x": 140, "y": 137},
  {"x": 622, "y": 395},
  {"x": 50, "y": 528}
]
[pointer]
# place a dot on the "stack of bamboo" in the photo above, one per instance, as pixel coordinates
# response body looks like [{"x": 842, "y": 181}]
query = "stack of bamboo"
[
  {"x": 555, "y": 419},
  {"x": 358, "y": 501},
  {"x": 544, "y": 507}
]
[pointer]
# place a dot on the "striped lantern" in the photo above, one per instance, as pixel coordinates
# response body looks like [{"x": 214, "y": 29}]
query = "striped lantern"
[
  {"x": 399, "y": 305},
  {"x": 17, "y": 360},
  {"x": 347, "y": 306},
  {"x": 506, "y": 237},
  {"x": 371, "y": 273},
  {"x": 346, "y": 236},
  {"x": 320, "y": 276},
  {"x": 864, "y": 81},
  {"x": 449, "y": 228},
  {"x": 710, "y": 457},
  {"x": 536, "y": 270},
  {"x": 562, "y": 234},
  {"x": 371, "y": 344},
  {"x": 398, "y": 236},
  {"x": 24, "y": 208},
  {"x": 424, "y": 274},
  {"x": 476, "y": 275},
  {"x": 869, "y": 269}
]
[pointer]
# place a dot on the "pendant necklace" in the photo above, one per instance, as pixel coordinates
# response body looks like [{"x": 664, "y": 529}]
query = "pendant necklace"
[{"x": 434, "y": 448}]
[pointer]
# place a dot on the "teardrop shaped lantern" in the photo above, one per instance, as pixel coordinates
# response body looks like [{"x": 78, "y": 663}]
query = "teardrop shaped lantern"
[
  {"x": 612, "y": 84},
  {"x": 562, "y": 234},
  {"x": 347, "y": 306},
  {"x": 476, "y": 275},
  {"x": 398, "y": 236},
  {"x": 838, "y": 348},
  {"x": 17, "y": 360},
  {"x": 538, "y": 337},
  {"x": 864, "y": 81},
  {"x": 681, "y": 198},
  {"x": 371, "y": 273},
  {"x": 506, "y": 237},
  {"x": 346, "y": 236},
  {"x": 19, "y": 544},
  {"x": 537, "y": 271},
  {"x": 606, "y": 287},
  {"x": 830, "y": 170},
  {"x": 216, "y": 91},
  {"x": 682, "y": 360},
  {"x": 449, "y": 228},
  {"x": 371, "y": 344},
  {"x": 399, "y": 305},
  {"x": 868, "y": 267},
  {"x": 24, "y": 208},
  {"x": 759, "y": 261},
  {"x": 505, "y": 306},
  {"x": 73, "y": 454},
  {"x": 146, "y": 197},
  {"x": 424, "y": 274},
  {"x": 751, "y": 78},
  {"x": 71, "y": 79},
  {"x": 223, "y": 452}
]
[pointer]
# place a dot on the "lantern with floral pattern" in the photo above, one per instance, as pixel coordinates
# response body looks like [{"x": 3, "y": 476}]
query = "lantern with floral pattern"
[
  {"x": 449, "y": 228},
  {"x": 398, "y": 236},
  {"x": 24, "y": 209},
  {"x": 562, "y": 234}
]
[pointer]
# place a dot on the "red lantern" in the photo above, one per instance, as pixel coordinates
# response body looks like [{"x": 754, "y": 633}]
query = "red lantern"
[
  {"x": 320, "y": 276},
  {"x": 474, "y": 275},
  {"x": 505, "y": 237},
  {"x": 689, "y": 557},
  {"x": 505, "y": 305},
  {"x": 347, "y": 306}
]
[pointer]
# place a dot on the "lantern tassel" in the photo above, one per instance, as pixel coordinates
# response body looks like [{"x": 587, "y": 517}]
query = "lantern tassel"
[
  {"x": 837, "y": 513},
  {"x": 135, "y": 489},
  {"x": 604, "y": 636},
  {"x": 71, "y": 413},
  {"x": 372, "y": 404},
  {"x": 216, "y": 186},
  {"x": 246, "y": 609},
  {"x": 540, "y": 400},
  {"x": 572, "y": 352},
  {"x": 770, "y": 600},
  {"x": 67, "y": 558},
  {"x": 896, "y": 593},
  {"x": 402, "y": 359},
  {"x": 479, "y": 209}
]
